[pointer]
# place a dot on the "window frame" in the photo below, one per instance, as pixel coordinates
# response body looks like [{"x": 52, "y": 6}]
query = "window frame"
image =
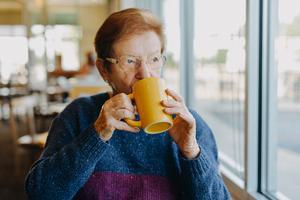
[
  {"x": 260, "y": 99},
  {"x": 252, "y": 95},
  {"x": 186, "y": 67},
  {"x": 268, "y": 98}
]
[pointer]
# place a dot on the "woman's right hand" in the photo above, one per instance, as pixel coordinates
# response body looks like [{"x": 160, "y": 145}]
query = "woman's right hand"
[{"x": 112, "y": 112}]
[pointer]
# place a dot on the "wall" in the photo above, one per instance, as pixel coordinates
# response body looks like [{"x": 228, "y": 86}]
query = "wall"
[
  {"x": 10, "y": 12},
  {"x": 89, "y": 18}
]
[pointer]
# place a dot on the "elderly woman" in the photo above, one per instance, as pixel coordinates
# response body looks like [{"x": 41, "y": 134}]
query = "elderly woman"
[{"x": 91, "y": 153}]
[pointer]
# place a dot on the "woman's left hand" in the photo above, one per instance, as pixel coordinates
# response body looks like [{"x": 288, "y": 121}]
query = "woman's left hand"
[{"x": 184, "y": 126}]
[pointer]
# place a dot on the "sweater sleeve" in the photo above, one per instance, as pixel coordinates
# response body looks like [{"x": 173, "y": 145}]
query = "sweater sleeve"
[
  {"x": 200, "y": 176},
  {"x": 66, "y": 163}
]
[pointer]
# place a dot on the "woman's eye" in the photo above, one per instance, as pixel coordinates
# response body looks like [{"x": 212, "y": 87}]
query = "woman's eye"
[
  {"x": 155, "y": 59},
  {"x": 130, "y": 61}
]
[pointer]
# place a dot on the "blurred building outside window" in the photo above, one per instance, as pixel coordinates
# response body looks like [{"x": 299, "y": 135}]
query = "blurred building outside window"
[
  {"x": 172, "y": 52},
  {"x": 219, "y": 51},
  {"x": 287, "y": 57},
  {"x": 13, "y": 54}
]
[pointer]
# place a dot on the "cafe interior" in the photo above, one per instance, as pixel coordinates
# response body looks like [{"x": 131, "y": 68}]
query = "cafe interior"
[
  {"x": 214, "y": 60},
  {"x": 47, "y": 59}
]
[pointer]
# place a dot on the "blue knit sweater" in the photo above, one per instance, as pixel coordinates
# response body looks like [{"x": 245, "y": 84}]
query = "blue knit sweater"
[{"x": 77, "y": 164}]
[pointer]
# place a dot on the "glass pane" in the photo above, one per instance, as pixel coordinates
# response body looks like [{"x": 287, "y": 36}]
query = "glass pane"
[
  {"x": 172, "y": 52},
  {"x": 13, "y": 55},
  {"x": 63, "y": 45},
  {"x": 37, "y": 73},
  {"x": 219, "y": 48},
  {"x": 288, "y": 92}
]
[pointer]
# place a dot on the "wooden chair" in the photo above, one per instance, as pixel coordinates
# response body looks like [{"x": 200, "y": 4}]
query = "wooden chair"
[
  {"x": 78, "y": 91},
  {"x": 35, "y": 141},
  {"x": 32, "y": 142}
]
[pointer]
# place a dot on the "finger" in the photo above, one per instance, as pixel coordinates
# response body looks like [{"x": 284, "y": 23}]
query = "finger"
[
  {"x": 125, "y": 127},
  {"x": 170, "y": 103},
  {"x": 186, "y": 117},
  {"x": 135, "y": 110},
  {"x": 174, "y": 95},
  {"x": 173, "y": 110},
  {"x": 123, "y": 113},
  {"x": 179, "y": 113},
  {"x": 122, "y": 101}
]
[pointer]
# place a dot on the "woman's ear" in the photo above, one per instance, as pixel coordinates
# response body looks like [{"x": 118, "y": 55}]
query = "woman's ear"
[{"x": 102, "y": 70}]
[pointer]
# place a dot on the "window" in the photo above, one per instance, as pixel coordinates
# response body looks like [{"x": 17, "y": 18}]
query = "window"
[
  {"x": 37, "y": 64},
  {"x": 52, "y": 47},
  {"x": 287, "y": 55},
  {"x": 172, "y": 52},
  {"x": 244, "y": 72},
  {"x": 13, "y": 54},
  {"x": 63, "y": 43},
  {"x": 219, "y": 51}
]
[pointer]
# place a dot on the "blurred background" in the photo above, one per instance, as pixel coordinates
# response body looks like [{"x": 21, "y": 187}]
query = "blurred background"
[{"x": 237, "y": 62}]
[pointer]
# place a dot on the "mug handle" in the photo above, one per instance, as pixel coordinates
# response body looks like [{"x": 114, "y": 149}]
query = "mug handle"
[{"x": 131, "y": 122}]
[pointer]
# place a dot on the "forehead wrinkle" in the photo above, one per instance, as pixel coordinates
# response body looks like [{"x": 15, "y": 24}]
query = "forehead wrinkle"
[
  {"x": 139, "y": 51},
  {"x": 138, "y": 45}
]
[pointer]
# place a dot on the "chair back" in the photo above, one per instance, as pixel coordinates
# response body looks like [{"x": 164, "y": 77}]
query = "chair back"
[{"x": 79, "y": 91}]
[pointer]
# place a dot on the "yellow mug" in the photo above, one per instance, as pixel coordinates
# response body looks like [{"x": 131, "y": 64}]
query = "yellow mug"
[{"x": 148, "y": 94}]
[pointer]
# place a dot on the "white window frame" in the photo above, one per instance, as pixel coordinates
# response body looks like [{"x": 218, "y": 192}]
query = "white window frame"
[
  {"x": 187, "y": 79},
  {"x": 268, "y": 98},
  {"x": 251, "y": 97}
]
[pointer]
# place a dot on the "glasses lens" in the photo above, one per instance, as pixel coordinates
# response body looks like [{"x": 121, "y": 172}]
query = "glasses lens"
[
  {"x": 156, "y": 61},
  {"x": 128, "y": 62}
]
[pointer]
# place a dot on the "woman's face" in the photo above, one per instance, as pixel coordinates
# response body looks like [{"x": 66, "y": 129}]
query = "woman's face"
[{"x": 144, "y": 48}]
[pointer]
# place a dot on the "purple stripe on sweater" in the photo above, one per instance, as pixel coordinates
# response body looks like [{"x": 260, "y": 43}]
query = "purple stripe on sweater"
[{"x": 109, "y": 185}]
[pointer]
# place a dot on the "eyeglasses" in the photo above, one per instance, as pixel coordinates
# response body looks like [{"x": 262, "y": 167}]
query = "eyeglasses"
[{"x": 154, "y": 62}]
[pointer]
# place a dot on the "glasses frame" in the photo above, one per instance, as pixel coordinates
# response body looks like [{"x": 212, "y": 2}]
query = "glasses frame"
[{"x": 116, "y": 60}]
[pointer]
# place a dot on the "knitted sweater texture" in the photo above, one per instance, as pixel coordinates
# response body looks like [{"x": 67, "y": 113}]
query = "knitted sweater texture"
[{"x": 77, "y": 164}]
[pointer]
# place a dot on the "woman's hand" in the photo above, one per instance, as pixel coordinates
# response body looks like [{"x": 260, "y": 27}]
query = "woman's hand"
[
  {"x": 112, "y": 112},
  {"x": 184, "y": 126}
]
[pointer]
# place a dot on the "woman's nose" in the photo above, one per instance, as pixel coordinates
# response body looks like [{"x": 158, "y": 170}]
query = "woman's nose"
[{"x": 143, "y": 71}]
